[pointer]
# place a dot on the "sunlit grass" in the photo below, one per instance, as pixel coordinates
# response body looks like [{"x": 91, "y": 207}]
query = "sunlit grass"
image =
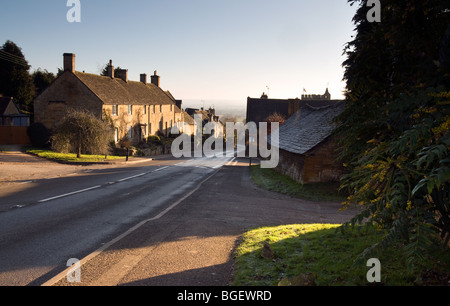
[
  {"x": 326, "y": 255},
  {"x": 71, "y": 157}
]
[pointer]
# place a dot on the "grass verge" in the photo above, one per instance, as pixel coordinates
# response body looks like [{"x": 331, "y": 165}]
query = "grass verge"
[
  {"x": 271, "y": 180},
  {"x": 318, "y": 254},
  {"x": 71, "y": 158}
]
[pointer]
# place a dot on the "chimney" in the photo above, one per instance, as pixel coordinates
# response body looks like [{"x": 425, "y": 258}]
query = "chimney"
[
  {"x": 179, "y": 103},
  {"x": 111, "y": 69},
  {"x": 155, "y": 79},
  {"x": 144, "y": 78},
  {"x": 123, "y": 74},
  {"x": 69, "y": 62}
]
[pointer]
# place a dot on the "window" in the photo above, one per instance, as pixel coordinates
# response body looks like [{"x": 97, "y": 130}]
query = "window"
[
  {"x": 130, "y": 109},
  {"x": 154, "y": 109},
  {"x": 171, "y": 107},
  {"x": 116, "y": 135},
  {"x": 115, "y": 110},
  {"x": 144, "y": 131},
  {"x": 145, "y": 109},
  {"x": 160, "y": 108},
  {"x": 130, "y": 132}
]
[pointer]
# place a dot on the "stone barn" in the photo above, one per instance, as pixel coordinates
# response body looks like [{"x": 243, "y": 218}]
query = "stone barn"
[{"x": 307, "y": 149}]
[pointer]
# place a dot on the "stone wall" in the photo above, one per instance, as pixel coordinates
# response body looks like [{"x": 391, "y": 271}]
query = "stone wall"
[
  {"x": 291, "y": 164},
  {"x": 147, "y": 118},
  {"x": 317, "y": 166},
  {"x": 321, "y": 164},
  {"x": 66, "y": 92}
]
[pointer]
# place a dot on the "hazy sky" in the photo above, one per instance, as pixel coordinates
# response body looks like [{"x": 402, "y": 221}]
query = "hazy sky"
[{"x": 202, "y": 49}]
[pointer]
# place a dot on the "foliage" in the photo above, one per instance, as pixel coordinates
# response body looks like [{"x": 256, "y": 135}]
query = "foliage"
[
  {"x": 154, "y": 139},
  {"x": 394, "y": 133},
  {"x": 39, "y": 135},
  {"x": 41, "y": 80},
  {"x": 276, "y": 117},
  {"x": 82, "y": 133},
  {"x": 15, "y": 80}
]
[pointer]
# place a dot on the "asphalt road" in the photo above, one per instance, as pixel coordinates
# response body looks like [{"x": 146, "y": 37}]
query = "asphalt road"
[
  {"x": 46, "y": 222},
  {"x": 193, "y": 243}
]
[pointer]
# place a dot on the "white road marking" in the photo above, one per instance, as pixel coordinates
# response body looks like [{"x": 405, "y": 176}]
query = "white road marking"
[
  {"x": 132, "y": 177},
  {"x": 68, "y": 194},
  {"x": 160, "y": 169}
]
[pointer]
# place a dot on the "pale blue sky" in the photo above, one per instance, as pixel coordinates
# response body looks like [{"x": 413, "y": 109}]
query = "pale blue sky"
[{"x": 202, "y": 49}]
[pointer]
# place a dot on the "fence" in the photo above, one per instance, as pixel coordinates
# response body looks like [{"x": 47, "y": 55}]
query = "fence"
[{"x": 14, "y": 135}]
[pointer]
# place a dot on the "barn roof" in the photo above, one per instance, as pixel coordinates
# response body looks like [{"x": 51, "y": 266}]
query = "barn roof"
[{"x": 308, "y": 127}]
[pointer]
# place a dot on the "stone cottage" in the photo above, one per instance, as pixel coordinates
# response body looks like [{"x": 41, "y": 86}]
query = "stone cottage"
[
  {"x": 307, "y": 148},
  {"x": 136, "y": 109}
]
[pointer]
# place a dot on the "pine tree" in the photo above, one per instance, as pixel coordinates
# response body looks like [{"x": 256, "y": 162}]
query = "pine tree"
[{"x": 15, "y": 79}]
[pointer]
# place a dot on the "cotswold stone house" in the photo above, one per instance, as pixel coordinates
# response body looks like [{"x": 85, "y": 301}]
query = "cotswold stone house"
[
  {"x": 136, "y": 109},
  {"x": 307, "y": 148}
]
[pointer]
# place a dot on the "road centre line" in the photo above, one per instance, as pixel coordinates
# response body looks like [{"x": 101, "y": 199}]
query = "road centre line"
[
  {"x": 132, "y": 177},
  {"x": 96, "y": 187},
  {"x": 68, "y": 194},
  {"x": 160, "y": 169}
]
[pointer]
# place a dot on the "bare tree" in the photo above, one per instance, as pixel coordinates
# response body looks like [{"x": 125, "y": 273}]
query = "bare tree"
[
  {"x": 275, "y": 117},
  {"x": 81, "y": 132}
]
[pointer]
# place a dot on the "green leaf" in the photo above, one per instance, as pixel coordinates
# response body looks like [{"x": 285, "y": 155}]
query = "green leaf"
[{"x": 430, "y": 186}]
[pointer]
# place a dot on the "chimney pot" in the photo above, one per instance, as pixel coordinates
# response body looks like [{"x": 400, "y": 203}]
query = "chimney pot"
[
  {"x": 69, "y": 62},
  {"x": 155, "y": 79},
  {"x": 111, "y": 70}
]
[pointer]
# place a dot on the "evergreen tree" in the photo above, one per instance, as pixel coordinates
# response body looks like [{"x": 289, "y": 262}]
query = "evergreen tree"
[
  {"x": 15, "y": 79},
  {"x": 104, "y": 71},
  {"x": 394, "y": 133},
  {"x": 41, "y": 80}
]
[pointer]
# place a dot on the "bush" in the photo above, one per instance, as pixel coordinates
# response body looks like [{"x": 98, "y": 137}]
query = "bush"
[
  {"x": 82, "y": 133},
  {"x": 39, "y": 135},
  {"x": 155, "y": 140}
]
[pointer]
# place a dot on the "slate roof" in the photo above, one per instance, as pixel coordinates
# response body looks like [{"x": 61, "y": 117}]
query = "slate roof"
[
  {"x": 118, "y": 92},
  {"x": 4, "y": 103},
  {"x": 308, "y": 127}
]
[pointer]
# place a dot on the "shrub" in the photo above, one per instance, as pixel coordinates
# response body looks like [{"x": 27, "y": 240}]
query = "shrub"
[
  {"x": 155, "y": 140},
  {"x": 39, "y": 135},
  {"x": 82, "y": 133}
]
